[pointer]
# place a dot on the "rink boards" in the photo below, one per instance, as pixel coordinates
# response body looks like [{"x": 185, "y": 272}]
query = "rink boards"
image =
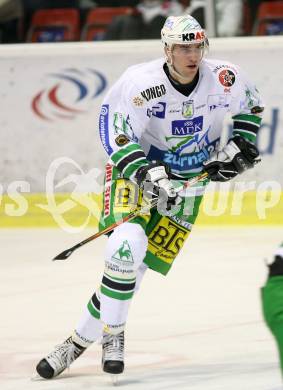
[
  {"x": 74, "y": 212},
  {"x": 58, "y": 93},
  {"x": 57, "y": 90}
]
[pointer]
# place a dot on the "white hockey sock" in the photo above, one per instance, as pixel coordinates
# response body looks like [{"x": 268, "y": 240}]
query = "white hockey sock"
[
  {"x": 125, "y": 252},
  {"x": 89, "y": 328}
]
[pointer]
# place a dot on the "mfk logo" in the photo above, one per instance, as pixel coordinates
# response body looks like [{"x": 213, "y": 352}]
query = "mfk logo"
[
  {"x": 187, "y": 127},
  {"x": 154, "y": 92},
  {"x": 192, "y": 36}
]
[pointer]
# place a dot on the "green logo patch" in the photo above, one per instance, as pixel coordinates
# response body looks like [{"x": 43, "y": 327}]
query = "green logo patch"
[{"x": 124, "y": 253}]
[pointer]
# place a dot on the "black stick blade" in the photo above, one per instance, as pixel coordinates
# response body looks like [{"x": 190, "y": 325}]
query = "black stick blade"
[{"x": 64, "y": 255}]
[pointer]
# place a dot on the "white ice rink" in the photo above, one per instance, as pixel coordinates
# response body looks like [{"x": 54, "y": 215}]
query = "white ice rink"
[{"x": 200, "y": 328}]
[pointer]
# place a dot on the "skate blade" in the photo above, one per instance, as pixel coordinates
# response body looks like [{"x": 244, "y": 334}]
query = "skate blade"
[
  {"x": 35, "y": 378},
  {"x": 114, "y": 379}
]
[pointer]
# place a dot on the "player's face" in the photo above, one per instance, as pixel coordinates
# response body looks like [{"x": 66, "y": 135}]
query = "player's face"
[{"x": 186, "y": 59}]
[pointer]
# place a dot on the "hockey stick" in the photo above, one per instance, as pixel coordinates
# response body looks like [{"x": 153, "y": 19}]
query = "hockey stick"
[{"x": 66, "y": 253}]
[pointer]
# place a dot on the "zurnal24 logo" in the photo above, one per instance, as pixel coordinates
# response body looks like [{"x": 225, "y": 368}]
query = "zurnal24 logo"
[{"x": 202, "y": 149}]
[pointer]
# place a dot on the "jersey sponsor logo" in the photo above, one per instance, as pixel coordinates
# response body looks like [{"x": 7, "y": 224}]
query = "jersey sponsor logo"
[
  {"x": 174, "y": 110},
  {"x": 126, "y": 197},
  {"x": 189, "y": 161},
  {"x": 227, "y": 77},
  {"x": 202, "y": 149},
  {"x": 252, "y": 97},
  {"x": 181, "y": 222},
  {"x": 188, "y": 109},
  {"x": 122, "y": 125},
  {"x": 158, "y": 110},
  {"x": 257, "y": 110},
  {"x": 188, "y": 37},
  {"x": 138, "y": 101},
  {"x": 107, "y": 191},
  {"x": 201, "y": 106},
  {"x": 122, "y": 140},
  {"x": 103, "y": 128},
  {"x": 123, "y": 254},
  {"x": 166, "y": 239},
  {"x": 154, "y": 92},
  {"x": 183, "y": 142},
  {"x": 218, "y": 101},
  {"x": 187, "y": 127},
  {"x": 218, "y": 67},
  {"x": 214, "y": 106}
]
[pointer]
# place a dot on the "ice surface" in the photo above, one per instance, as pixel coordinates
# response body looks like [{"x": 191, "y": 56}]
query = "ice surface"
[{"x": 199, "y": 328}]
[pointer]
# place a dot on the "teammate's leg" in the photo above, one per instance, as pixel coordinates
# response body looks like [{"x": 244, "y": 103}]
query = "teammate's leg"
[{"x": 272, "y": 301}]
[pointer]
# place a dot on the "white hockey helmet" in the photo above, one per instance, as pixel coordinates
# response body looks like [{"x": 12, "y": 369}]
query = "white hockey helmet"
[{"x": 183, "y": 30}]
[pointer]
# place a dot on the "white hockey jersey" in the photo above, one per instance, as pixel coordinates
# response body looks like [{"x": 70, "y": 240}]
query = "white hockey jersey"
[{"x": 144, "y": 118}]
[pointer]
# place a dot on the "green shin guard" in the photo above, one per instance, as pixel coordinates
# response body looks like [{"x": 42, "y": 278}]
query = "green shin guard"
[{"x": 272, "y": 305}]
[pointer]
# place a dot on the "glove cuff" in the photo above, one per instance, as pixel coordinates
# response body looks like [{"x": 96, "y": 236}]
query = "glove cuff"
[
  {"x": 247, "y": 148},
  {"x": 152, "y": 172}
]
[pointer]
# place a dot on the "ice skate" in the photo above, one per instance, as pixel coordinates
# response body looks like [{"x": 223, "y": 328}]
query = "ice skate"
[
  {"x": 113, "y": 354},
  {"x": 60, "y": 359}
]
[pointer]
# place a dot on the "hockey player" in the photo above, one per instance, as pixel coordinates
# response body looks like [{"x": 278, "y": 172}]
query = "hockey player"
[
  {"x": 272, "y": 301},
  {"x": 160, "y": 125}
]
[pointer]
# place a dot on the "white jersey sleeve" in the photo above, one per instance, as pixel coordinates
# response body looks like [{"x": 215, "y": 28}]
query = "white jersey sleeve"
[
  {"x": 246, "y": 108},
  {"x": 122, "y": 122}
]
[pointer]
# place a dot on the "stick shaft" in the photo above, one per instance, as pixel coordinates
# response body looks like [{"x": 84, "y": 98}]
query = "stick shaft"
[
  {"x": 133, "y": 214},
  {"x": 129, "y": 217}
]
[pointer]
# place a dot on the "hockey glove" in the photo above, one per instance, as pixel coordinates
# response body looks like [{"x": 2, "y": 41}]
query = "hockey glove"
[
  {"x": 236, "y": 157},
  {"x": 154, "y": 181}
]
